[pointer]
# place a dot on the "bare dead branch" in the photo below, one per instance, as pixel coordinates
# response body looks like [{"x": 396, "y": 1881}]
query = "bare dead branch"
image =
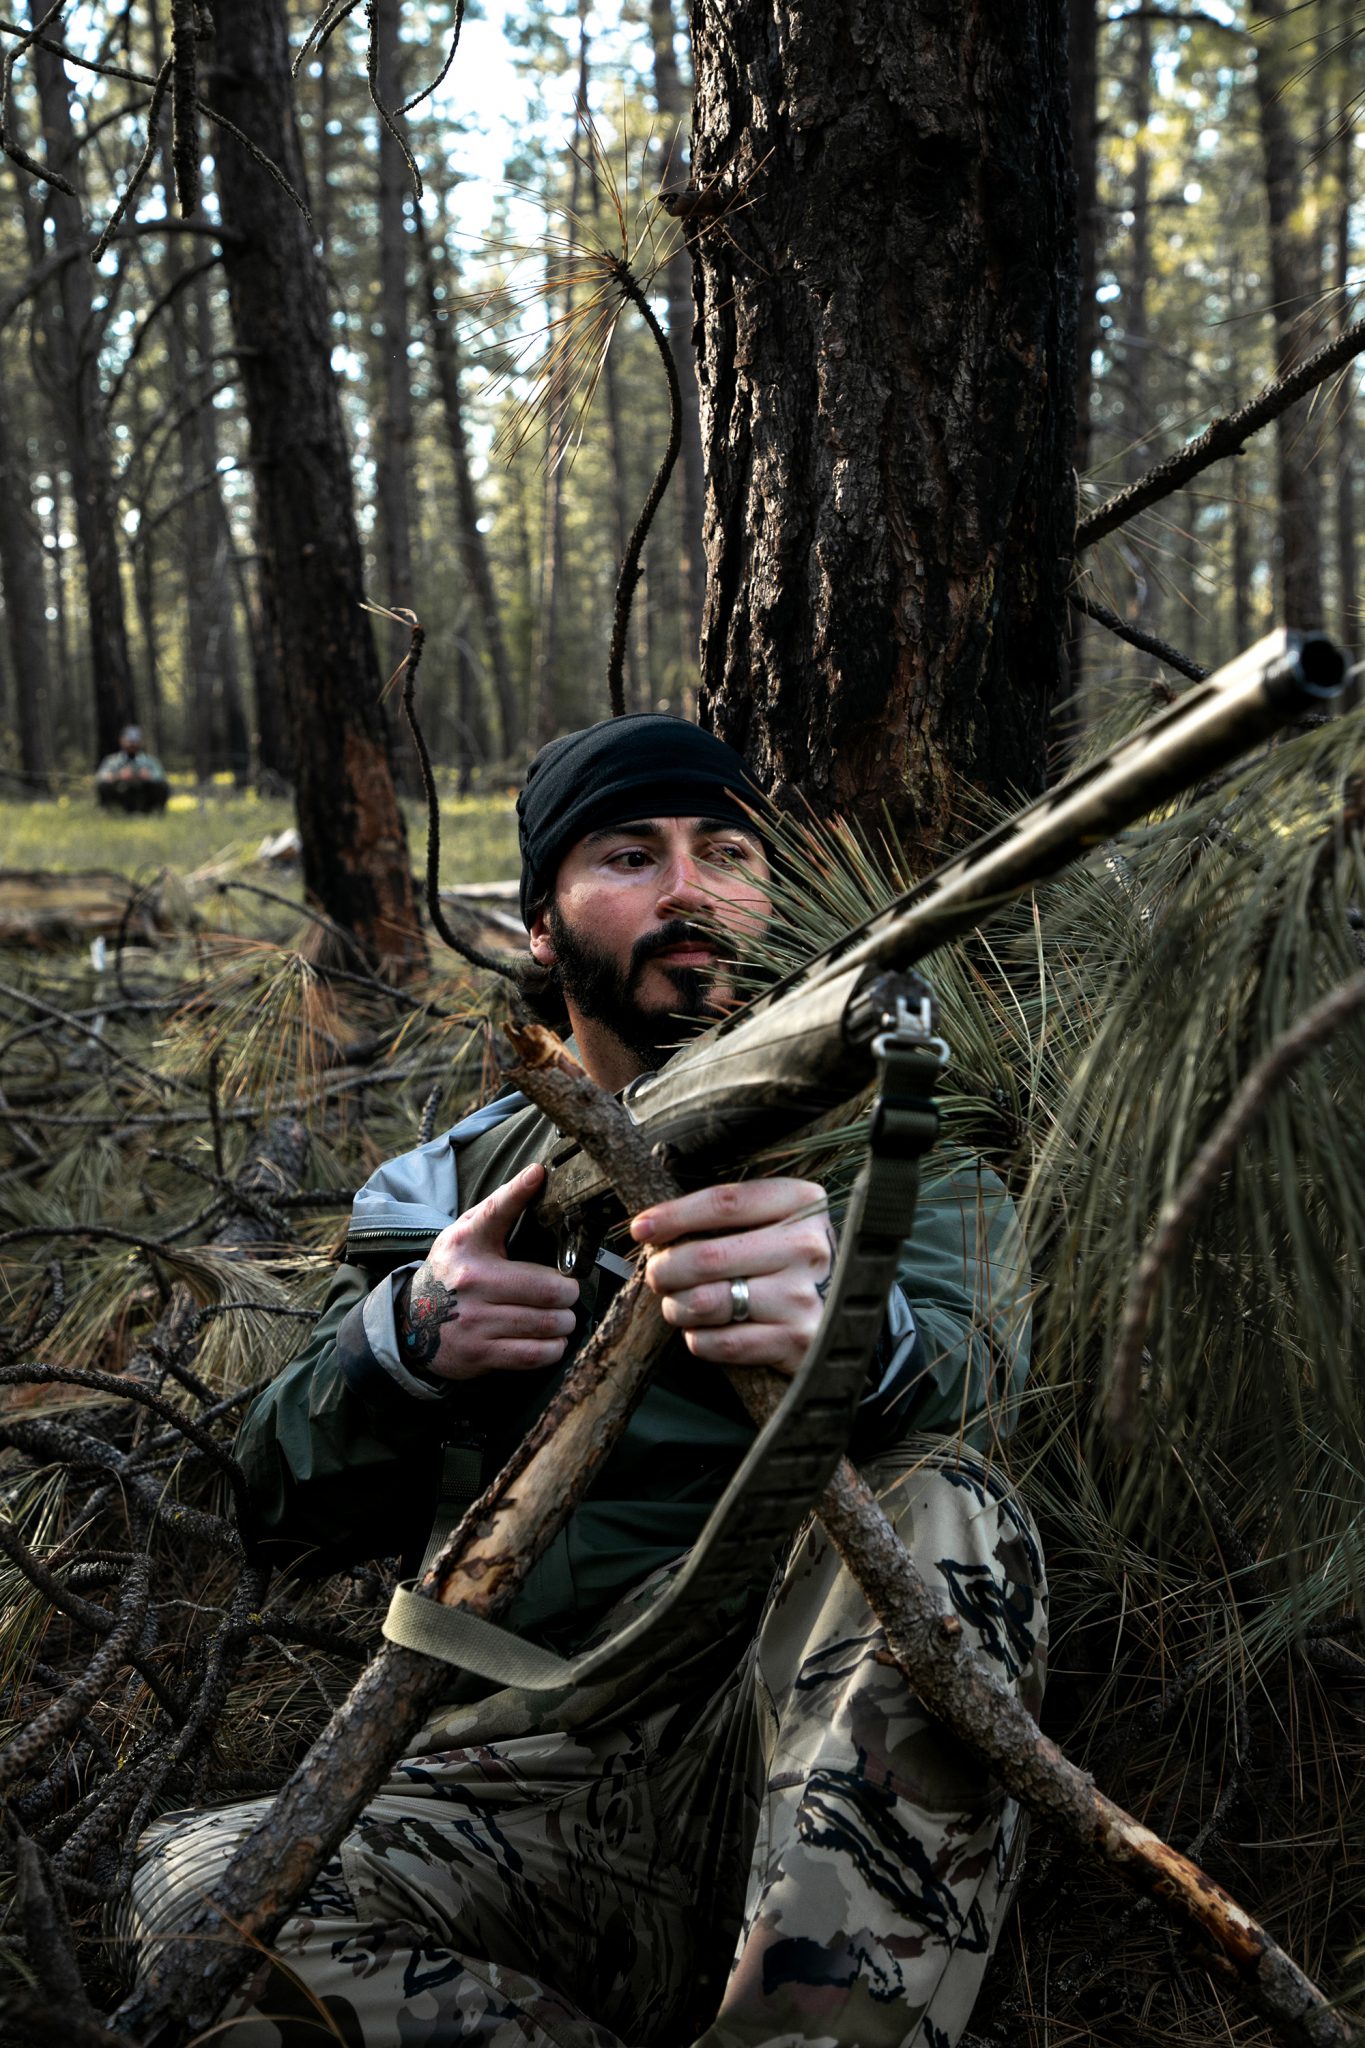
[
  {"x": 1271, "y": 1071},
  {"x": 42, "y": 273},
  {"x": 140, "y": 168},
  {"x": 1222, "y": 437},
  {"x": 1146, "y": 643},
  {"x": 629, "y": 574}
]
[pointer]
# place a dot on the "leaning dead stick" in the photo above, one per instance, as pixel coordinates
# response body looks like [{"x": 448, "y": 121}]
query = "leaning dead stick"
[
  {"x": 947, "y": 1675},
  {"x": 190, "y": 1975}
]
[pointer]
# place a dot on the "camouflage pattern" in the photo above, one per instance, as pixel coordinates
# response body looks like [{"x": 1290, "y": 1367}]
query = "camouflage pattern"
[{"x": 765, "y": 1842}]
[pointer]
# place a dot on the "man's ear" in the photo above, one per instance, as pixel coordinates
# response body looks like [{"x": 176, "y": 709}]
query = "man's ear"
[{"x": 542, "y": 945}]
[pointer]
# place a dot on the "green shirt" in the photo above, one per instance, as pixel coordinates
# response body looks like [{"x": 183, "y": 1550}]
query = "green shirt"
[{"x": 343, "y": 1462}]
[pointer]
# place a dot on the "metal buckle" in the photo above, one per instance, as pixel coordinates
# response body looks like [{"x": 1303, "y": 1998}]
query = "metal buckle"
[{"x": 913, "y": 1030}]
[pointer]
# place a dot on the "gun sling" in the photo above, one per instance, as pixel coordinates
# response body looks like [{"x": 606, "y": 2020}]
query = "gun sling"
[{"x": 794, "y": 1454}]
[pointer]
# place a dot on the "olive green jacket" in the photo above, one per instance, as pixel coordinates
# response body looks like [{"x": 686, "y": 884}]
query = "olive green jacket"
[{"x": 343, "y": 1452}]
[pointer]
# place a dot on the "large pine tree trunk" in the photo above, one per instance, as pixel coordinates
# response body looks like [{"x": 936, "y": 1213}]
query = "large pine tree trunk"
[
  {"x": 1295, "y": 275},
  {"x": 73, "y": 357},
  {"x": 355, "y": 855},
  {"x": 888, "y": 376}
]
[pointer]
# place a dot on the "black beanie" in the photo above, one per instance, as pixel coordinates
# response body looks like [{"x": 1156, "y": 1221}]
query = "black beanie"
[{"x": 644, "y": 765}]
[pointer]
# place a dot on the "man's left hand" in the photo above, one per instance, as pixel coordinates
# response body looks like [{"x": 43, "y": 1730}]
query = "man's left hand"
[{"x": 774, "y": 1234}]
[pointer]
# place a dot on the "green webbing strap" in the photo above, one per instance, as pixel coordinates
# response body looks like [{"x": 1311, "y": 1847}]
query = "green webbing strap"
[
  {"x": 457, "y": 1637},
  {"x": 792, "y": 1457},
  {"x": 461, "y": 1483}
]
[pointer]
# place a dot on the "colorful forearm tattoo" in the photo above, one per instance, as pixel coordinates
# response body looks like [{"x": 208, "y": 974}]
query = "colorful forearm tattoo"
[{"x": 425, "y": 1306}]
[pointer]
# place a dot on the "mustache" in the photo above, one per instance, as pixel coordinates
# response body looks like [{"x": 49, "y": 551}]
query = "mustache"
[{"x": 677, "y": 932}]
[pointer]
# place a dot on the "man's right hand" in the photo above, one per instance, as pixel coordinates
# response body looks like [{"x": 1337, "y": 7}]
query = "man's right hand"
[{"x": 468, "y": 1309}]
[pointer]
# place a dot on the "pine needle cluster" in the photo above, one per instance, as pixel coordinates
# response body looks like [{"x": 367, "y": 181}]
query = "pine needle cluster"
[{"x": 1206, "y": 1558}]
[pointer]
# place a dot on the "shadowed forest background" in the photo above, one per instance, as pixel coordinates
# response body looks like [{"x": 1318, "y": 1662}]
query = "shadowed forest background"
[
  {"x": 979, "y": 320},
  {"x": 123, "y": 428}
]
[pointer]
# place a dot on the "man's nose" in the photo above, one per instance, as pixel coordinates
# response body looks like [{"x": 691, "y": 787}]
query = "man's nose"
[{"x": 682, "y": 886}]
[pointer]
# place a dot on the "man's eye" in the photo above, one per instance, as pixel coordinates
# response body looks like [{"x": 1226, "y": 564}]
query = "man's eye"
[
  {"x": 629, "y": 857},
  {"x": 729, "y": 853}
]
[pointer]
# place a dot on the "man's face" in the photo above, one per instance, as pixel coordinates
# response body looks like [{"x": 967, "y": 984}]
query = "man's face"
[{"x": 638, "y": 922}]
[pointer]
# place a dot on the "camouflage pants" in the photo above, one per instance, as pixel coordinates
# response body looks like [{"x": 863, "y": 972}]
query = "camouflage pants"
[{"x": 765, "y": 1842}]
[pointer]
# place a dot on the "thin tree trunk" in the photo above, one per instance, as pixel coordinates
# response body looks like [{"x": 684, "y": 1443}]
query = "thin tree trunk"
[
  {"x": 72, "y": 722},
  {"x": 81, "y": 422},
  {"x": 1083, "y": 51},
  {"x": 144, "y": 591},
  {"x": 671, "y": 100},
  {"x": 1294, "y": 278},
  {"x": 473, "y": 552},
  {"x": 355, "y": 855},
  {"x": 23, "y": 582},
  {"x": 274, "y": 756},
  {"x": 472, "y": 750},
  {"x": 393, "y": 456},
  {"x": 196, "y": 537},
  {"x": 1348, "y": 574},
  {"x": 1083, "y": 38},
  {"x": 888, "y": 380},
  {"x": 394, "y": 449},
  {"x": 220, "y": 578},
  {"x": 545, "y": 689},
  {"x": 1137, "y": 340},
  {"x": 1243, "y": 566}
]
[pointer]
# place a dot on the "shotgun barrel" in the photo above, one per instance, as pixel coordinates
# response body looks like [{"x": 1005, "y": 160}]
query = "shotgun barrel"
[{"x": 789, "y": 1057}]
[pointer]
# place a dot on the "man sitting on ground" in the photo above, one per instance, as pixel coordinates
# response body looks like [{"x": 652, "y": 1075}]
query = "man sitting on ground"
[
  {"x": 131, "y": 779},
  {"x": 759, "y": 1838}
]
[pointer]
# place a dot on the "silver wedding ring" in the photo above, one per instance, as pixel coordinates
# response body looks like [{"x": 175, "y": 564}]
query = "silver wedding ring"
[{"x": 739, "y": 1301}]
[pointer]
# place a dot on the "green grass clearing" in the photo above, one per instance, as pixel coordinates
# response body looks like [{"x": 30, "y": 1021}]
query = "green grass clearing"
[{"x": 199, "y": 828}]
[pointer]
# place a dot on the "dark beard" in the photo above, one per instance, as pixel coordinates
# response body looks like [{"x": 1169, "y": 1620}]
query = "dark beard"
[{"x": 607, "y": 993}]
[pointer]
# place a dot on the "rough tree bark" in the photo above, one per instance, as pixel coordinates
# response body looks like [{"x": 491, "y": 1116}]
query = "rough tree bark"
[
  {"x": 72, "y": 335},
  {"x": 1295, "y": 275},
  {"x": 23, "y": 582},
  {"x": 888, "y": 374},
  {"x": 355, "y": 855}
]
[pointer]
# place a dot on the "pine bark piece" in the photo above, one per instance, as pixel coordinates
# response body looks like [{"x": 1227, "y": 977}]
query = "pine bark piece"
[{"x": 886, "y": 295}]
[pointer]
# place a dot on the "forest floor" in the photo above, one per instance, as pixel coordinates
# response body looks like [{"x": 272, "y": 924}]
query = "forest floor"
[{"x": 191, "y": 1092}]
